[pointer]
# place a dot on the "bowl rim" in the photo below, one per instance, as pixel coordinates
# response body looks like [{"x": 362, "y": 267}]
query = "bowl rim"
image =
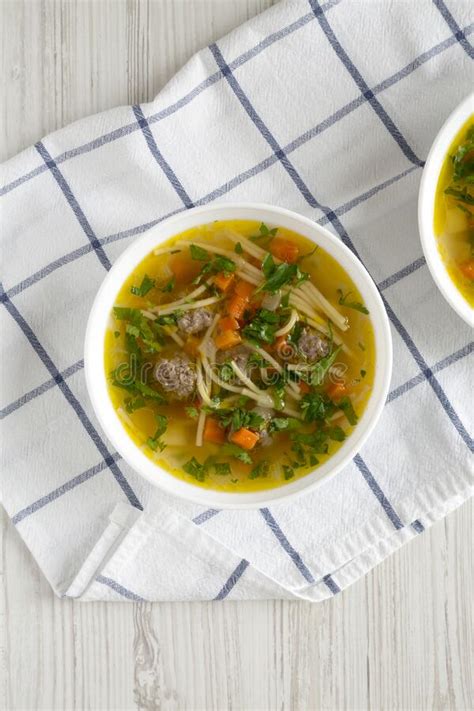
[
  {"x": 426, "y": 203},
  {"x": 94, "y": 357}
]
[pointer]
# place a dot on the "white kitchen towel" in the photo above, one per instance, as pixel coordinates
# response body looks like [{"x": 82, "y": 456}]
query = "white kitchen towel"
[{"x": 327, "y": 109}]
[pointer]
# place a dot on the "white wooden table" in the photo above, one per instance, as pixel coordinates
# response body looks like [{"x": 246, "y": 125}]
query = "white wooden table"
[{"x": 399, "y": 639}]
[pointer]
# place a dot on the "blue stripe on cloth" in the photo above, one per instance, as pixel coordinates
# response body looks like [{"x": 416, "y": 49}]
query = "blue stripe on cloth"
[
  {"x": 377, "y": 491},
  {"x": 364, "y": 88},
  {"x": 418, "y": 526},
  {"x": 233, "y": 579},
  {"x": 205, "y": 516},
  {"x": 80, "y": 252},
  {"x": 44, "y": 387},
  {"x": 262, "y": 127},
  {"x": 440, "y": 365},
  {"x": 428, "y": 373},
  {"x": 270, "y": 139},
  {"x": 73, "y": 401},
  {"x": 351, "y": 204},
  {"x": 63, "y": 489},
  {"x": 74, "y": 205},
  {"x": 402, "y": 273},
  {"x": 210, "y": 513},
  {"x": 168, "y": 111},
  {"x": 331, "y": 584},
  {"x": 286, "y": 545},
  {"x": 160, "y": 159},
  {"x": 454, "y": 27},
  {"x": 246, "y": 175},
  {"x": 114, "y": 585},
  {"x": 130, "y": 128}
]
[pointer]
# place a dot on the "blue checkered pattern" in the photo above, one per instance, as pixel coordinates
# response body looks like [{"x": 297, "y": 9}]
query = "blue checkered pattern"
[{"x": 330, "y": 113}]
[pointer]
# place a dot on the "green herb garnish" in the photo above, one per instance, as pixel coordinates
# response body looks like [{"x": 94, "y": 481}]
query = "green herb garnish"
[
  {"x": 195, "y": 469},
  {"x": 316, "y": 407},
  {"x": 154, "y": 442},
  {"x": 320, "y": 369},
  {"x": 264, "y": 233},
  {"x": 262, "y": 327},
  {"x": 222, "y": 468},
  {"x": 356, "y": 305},
  {"x": 192, "y": 412},
  {"x": 277, "y": 276},
  {"x": 238, "y": 418},
  {"x": 198, "y": 253},
  {"x": 260, "y": 470},
  {"x": 169, "y": 286},
  {"x": 234, "y": 450},
  {"x": 146, "y": 286},
  {"x": 346, "y": 406}
]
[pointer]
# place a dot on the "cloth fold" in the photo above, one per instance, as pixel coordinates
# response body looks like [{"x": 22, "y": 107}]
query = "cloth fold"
[{"x": 327, "y": 109}]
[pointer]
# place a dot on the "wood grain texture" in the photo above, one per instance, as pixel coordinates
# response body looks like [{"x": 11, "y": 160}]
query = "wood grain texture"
[{"x": 400, "y": 639}]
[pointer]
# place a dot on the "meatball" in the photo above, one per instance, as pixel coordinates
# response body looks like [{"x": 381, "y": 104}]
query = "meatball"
[
  {"x": 194, "y": 321},
  {"x": 239, "y": 354},
  {"x": 176, "y": 376},
  {"x": 312, "y": 346}
]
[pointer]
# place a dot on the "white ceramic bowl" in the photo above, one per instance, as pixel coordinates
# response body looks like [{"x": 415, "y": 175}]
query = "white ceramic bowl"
[
  {"x": 105, "y": 299},
  {"x": 426, "y": 204}
]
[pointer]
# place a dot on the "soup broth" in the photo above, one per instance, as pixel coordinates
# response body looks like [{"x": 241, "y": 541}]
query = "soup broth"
[
  {"x": 454, "y": 211},
  {"x": 239, "y": 356}
]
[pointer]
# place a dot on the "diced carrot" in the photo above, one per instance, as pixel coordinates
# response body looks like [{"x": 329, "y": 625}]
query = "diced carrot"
[
  {"x": 223, "y": 281},
  {"x": 228, "y": 323},
  {"x": 237, "y": 306},
  {"x": 244, "y": 289},
  {"x": 467, "y": 269},
  {"x": 279, "y": 343},
  {"x": 305, "y": 388},
  {"x": 285, "y": 250},
  {"x": 183, "y": 267},
  {"x": 245, "y": 438},
  {"x": 227, "y": 339},
  {"x": 336, "y": 391},
  {"x": 213, "y": 432}
]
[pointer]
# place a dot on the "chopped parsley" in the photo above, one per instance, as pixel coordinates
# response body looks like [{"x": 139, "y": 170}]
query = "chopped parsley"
[
  {"x": 222, "y": 468},
  {"x": 288, "y": 472},
  {"x": 280, "y": 424},
  {"x": 146, "y": 286},
  {"x": 262, "y": 327},
  {"x": 192, "y": 412},
  {"x": 264, "y": 233},
  {"x": 134, "y": 403},
  {"x": 336, "y": 433},
  {"x": 461, "y": 195},
  {"x": 356, "y": 305},
  {"x": 321, "y": 368},
  {"x": 260, "y": 470},
  {"x": 198, "y": 253},
  {"x": 316, "y": 407},
  {"x": 346, "y": 406},
  {"x": 277, "y": 275},
  {"x": 155, "y": 442},
  {"x": 195, "y": 469},
  {"x": 234, "y": 450},
  {"x": 169, "y": 286},
  {"x": 240, "y": 418},
  {"x": 238, "y": 249}
]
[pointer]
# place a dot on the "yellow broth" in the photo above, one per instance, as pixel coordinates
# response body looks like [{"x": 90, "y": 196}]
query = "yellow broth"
[
  {"x": 454, "y": 217},
  {"x": 284, "y": 463}
]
